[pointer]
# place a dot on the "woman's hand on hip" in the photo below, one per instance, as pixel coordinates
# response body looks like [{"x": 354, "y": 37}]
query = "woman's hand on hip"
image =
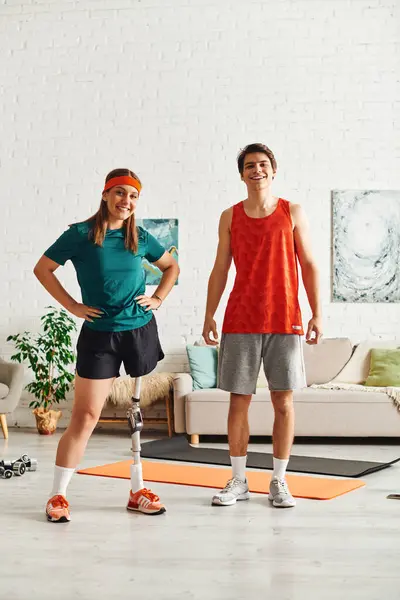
[
  {"x": 85, "y": 312},
  {"x": 149, "y": 302}
]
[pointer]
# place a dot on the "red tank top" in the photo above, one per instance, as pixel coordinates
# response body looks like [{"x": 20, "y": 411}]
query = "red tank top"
[{"x": 264, "y": 298}]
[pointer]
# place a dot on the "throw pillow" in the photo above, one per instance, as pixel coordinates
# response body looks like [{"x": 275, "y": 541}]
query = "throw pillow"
[
  {"x": 385, "y": 368},
  {"x": 357, "y": 369},
  {"x": 203, "y": 364}
]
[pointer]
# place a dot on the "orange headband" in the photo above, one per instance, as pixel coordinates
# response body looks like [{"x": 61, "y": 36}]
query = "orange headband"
[{"x": 125, "y": 180}]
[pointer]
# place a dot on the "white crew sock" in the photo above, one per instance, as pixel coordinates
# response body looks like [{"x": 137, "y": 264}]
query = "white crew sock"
[
  {"x": 136, "y": 478},
  {"x": 62, "y": 477},
  {"x": 280, "y": 465},
  {"x": 239, "y": 467}
]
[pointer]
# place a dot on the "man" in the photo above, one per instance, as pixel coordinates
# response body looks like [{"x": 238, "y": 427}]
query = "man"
[{"x": 265, "y": 236}]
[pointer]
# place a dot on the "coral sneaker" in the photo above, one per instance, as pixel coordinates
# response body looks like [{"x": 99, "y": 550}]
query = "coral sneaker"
[
  {"x": 57, "y": 509},
  {"x": 146, "y": 502}
]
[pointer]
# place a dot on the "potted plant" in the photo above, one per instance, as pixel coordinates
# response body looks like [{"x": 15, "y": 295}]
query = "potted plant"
[{"x": 49, "y": 355}]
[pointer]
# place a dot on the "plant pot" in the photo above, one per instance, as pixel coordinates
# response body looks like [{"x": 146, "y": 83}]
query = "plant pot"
[{"x": 46, "y": 420}]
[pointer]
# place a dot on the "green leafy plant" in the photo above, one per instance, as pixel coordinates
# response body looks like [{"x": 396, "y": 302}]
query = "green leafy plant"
[{"x": 49, "y": 355}]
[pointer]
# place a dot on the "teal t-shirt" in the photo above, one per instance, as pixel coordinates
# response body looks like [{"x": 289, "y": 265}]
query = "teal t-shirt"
[{"x": 110, "y": 276}]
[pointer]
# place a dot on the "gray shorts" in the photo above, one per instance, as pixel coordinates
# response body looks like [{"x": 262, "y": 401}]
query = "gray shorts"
[{"x": 240, "y": 359}]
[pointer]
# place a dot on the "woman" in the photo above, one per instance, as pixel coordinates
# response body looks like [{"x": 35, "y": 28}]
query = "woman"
[{"x": 107, "y": 252}]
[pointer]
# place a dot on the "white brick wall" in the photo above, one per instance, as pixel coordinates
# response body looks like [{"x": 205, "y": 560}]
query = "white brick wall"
[{"x": 172, "y": 89}]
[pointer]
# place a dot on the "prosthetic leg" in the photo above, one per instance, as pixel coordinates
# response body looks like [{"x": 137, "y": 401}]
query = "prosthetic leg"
[
  {"x": 135, "y": 421},
  {"x": 140, "y": 499}
]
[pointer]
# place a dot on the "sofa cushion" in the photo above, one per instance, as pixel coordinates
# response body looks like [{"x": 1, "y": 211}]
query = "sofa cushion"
[
  {"x": 4, "y": 389},
  {"x": 217, "y": 395},
  {"x": 325, "y": 360},
  {"x": 304, "y": 396},
  {"x": 385, "y": 368},
  {"x": 357, "y": 369}
]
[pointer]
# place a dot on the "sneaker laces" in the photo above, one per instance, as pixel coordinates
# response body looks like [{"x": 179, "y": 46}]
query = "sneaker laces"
[
  {"x": 282, "y": 486},
  {"x": 149, "y": 495},
  {"x": 59, "y": 502},
  {"x": 231, "y": 484}
]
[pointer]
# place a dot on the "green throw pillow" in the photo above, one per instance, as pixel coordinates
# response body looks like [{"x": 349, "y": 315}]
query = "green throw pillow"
[
  {"x": 203, "y": 362},
  {"x": 384, "y": 370}
]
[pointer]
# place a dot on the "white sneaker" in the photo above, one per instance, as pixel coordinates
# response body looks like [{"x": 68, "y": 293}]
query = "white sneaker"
[
  {"x": 235, "y": 489},
  {"x": 279, "y": 494}
]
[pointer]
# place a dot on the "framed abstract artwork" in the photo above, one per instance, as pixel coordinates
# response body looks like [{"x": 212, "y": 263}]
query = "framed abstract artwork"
[
  {"x": 166, "y": 232},
  {"x": 366, "y": 246}
]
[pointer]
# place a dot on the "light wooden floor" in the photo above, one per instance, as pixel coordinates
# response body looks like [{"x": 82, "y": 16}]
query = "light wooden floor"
[{"x": 345, "y": 549}]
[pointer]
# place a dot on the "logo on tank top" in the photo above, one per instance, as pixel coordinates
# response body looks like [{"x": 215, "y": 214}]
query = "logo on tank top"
[{"x": 297, "y": 327}]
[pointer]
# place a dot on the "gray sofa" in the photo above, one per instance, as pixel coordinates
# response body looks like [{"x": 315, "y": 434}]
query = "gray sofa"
[
  {"x": 11, "y": 386},
  {"x": 319, "y": 412}
]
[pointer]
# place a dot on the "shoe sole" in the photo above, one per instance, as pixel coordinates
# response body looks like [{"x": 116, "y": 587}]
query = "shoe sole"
[
  {"x": 60, "y": 520},
  {"x": 145, "y": 512},
  {"x": 217, "y": 502},
  {"x": 281, "y": 505}
]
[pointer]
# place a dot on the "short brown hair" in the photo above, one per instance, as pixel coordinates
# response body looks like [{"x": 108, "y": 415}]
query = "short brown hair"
[{"x": 251, "y": 149}]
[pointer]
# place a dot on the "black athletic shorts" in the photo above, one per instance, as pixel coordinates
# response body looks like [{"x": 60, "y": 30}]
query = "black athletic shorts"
[{"x": 100, "y": 353}]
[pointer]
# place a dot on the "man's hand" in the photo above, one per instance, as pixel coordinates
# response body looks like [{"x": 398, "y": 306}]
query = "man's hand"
[
  {"x": 210, "y": 326},
  {"x": 314, "y": 331}
]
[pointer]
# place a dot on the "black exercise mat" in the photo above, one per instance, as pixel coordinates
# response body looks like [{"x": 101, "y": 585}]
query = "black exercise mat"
[{"x": 179, "y": 449}]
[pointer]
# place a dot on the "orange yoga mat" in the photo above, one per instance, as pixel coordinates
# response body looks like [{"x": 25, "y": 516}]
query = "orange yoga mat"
[{"x": 317, "y": 488}]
